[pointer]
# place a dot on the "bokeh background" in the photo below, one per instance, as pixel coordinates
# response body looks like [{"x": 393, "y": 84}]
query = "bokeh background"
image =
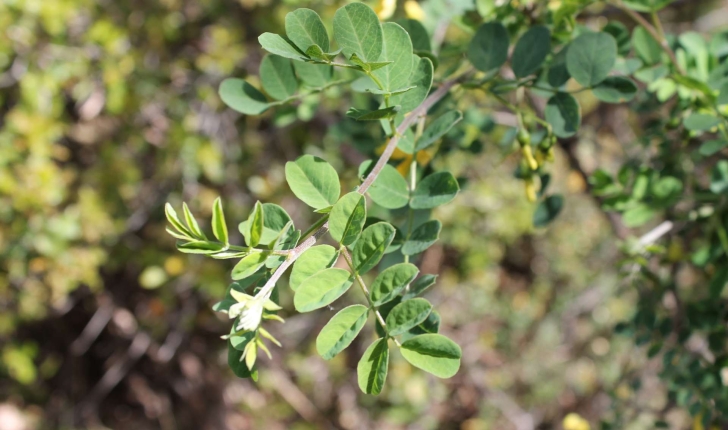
[{"x": 109, "y": 109}]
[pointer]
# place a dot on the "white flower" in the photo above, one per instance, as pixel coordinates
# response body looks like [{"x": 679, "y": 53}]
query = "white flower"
[
  {"x": 250, "y": 309},
  {"x": 251, "y": 315}
]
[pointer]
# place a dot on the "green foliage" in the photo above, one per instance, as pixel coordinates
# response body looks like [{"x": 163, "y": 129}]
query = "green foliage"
[
  {"x": 304, "y": 28},
  {"x": 488, "y": 50},
  {"x": 407, "y": 315},
  {"x": 373, "y": 366},
  {"x": 531, "y": 50},
  {"x": 422, "y": 237},
  {"x": 435, "y": 190},
  {"x": 370, "y": 246},
  {"x": 396, "y": 50},
  {"x": 314, "y": 181},
  {"x": 384, "y": 73},
  {"x": 321, "y": 289},
  {"x": 391, "y": 282},
  {"x": 312, "y": 261},
  {"x": 276, "y": 74},
  {"x": 591, "y": 57},
  {"x": 615, "y": 90},
  {"x": 433, "y": 353},
  {"x": 243, "y": 97},
  {"x": 347, "y": 218},
  {"x": 563, "y": 114},
  {"x": 438, "y": 128},
  {"x": 390, "y": 189},
  {"x": 341, "y": 330},
  {"x": 358, "y": 31}
]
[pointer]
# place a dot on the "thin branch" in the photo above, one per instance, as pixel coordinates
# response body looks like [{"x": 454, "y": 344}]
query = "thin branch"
[
  {"x": 653, "y": 32},
  {"x": 364, "y": 289},
  {"x": 406, "y": 124},
  {"x": 383, "y": 159}
]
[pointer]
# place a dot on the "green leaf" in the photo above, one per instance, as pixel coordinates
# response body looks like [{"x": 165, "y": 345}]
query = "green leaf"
[
  {"x": 694, "y": 84},
  {"x": 392, "y": 281},
  {"x": 621, "y": 35},
  {"x": 646, "y": 5},
  {"x": 192, "y": 222},
  {"x": 372, "y": 368},
  {"x": 591, "y": 57},
  {"x": 430, "y": 325},
  {"x": 615, "y": 89},
  {"x": 313, "y": 75},
  {"x": 435, "y": 190},
  {"x": 276, "y": 75},
  {"x": 558, "y": 74},
  {"x": 347, "y": 218},
  {"x": 650, "y": 74},
  {"x": 433, "y": 353},
  {"x": 638, "y": 215},
  {"x": 646, "y": 47},
  {"x": 275, "y": 220},
  {"x": 723, "y": 96},
  {"x": 419, "y": 286},
  {"x": 255, "y": 221},
  {"x": 314, "y": 181},
  {"x": 315, "y": 52},
  {"x": 701, "y": 122},
  {"x": 243, "y": 97},
  {"x": 321, "y": 289},
  {"x": 488, "y": 50},
  {"x": 390, "y": 189},
  {"x": 547, "y": 210},
  {"x": 341, "y": 330},
  {"x": 563, "y": 113},
  {"x": 417, "y": 33},
  {"x": 438, "y": 128},
  {"x": 357, "y": 30},
  {"x": 373, "y": 115},
  {"x": 200, "y": 247},
  {"x": 389, "y": 92},
  {"x": 312, "y": 261},
  {"x": 236, "y": 363},
  {"x": 371, "y": 245},
  {"x": 172, "y": 218},
  {"x": 719, "y": 178},
  {"x": 219, "y": 228},
  {"x": 531, "y": 50},
  {"x": 249, "y": 265},
  {"x": 421, "y": 79},
  {"x": 368, "y": 66},
  {"x": 712, "y": 147},
  {"x": 305, "y": 28},
  {"x": 407, "y": 315},
  {"x": 276, "y": 44},
  {"x": 422, "y": 237},
  {"x": 397, "y": 48}
]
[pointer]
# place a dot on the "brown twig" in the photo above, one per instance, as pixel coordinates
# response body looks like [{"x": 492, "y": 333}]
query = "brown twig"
[
  {"x": 408, "y": 121},
  {"x": 653, "y": 32}
]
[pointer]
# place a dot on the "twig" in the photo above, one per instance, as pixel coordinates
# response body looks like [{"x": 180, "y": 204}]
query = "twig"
[
  {"x": 383, "y": 159},
  {"x": 656, "y": 233},
  {"x": 139, "y": 345},
  {"x": 298, "y": 401},
  {"x": 360, "y": 281},
  {"x": 95, "y": 326},
  {"x": 653, "y": 32}
]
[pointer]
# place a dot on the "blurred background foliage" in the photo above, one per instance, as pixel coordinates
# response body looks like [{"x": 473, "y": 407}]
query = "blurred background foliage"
[{"x": 110, "y": 108}]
